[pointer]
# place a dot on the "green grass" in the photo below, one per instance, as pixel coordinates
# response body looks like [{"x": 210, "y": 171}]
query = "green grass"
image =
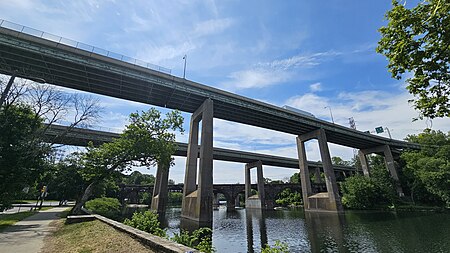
[
  {"x": 9, "y": 219},
  {"x": 92, "y": 236}
]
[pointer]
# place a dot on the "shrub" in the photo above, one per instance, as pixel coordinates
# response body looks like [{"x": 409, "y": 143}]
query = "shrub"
[
  {"x": 108, "y": 207},
  {"x": 289, "y": 198},
  {"x": 146, "y": 221},
  {"x": 279, "y": 247},
  {"x": 360, "y": 192},
  {"x": 200, "y": 239}
]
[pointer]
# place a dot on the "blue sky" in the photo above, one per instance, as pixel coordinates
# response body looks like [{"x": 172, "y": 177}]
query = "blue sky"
[{"x": 306, "y": 54}]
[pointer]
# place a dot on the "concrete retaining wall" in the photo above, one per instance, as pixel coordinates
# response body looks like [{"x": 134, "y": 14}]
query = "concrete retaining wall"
[{"x": 156, "y": 243}]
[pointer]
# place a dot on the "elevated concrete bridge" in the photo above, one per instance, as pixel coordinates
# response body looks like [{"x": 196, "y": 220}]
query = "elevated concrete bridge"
[
  {"x": 32, "y": 54},
  {"x": 59, "y": 134}
]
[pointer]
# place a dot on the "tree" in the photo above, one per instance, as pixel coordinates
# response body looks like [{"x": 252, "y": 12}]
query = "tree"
[
  {"x": 428, "y": 169},
  {"x": 361, "y": 192},
  {"x": 22, "y": 154},
  {"x": 146, "y": 141},
  {"x": 24, "y": 157},
  {"x": 417, "y": 41},
  {"x": 336, "y": 160},
  {"x": 295, "y": 179}
]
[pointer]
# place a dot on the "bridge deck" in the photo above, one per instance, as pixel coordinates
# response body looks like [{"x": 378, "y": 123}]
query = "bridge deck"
[
  {"x": 67, "y": 66},
  {"x": 81, "y": 137}
]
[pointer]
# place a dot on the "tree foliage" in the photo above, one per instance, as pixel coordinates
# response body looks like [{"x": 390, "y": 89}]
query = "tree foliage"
[
  {"x": 22, "y": 154},
  {"x": 361, "y": 192},
  {"x": 148, "y": 139},
  {"x": 428, "y": 169},
  {"x": 289, "y": 198},
  {"x": 108, "y": 207},
  {"x": 417, "y": 41}
]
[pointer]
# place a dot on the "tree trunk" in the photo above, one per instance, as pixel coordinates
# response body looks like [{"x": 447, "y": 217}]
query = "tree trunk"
[{"x": 87, "y": 194}]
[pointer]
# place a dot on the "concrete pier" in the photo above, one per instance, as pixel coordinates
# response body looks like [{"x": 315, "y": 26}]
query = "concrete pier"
[
  {"x": 324, "y": 201},
  {"x": 258, "y": 200},
  {"x": 160, "y": 190},
  {"x": 197, "y": 202},
  {"x": 385, "y": 150}
]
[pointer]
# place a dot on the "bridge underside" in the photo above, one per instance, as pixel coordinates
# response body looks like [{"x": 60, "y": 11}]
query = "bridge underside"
[{"x": 74, "y": 68}]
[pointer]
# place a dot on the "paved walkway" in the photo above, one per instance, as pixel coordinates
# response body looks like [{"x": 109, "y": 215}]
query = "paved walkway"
[{"x": 27, "y": 236}]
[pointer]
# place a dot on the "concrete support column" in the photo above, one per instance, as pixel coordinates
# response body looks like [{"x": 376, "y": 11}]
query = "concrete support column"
[
  {"x": 330, "y": 201},
  {"x": 231, "y": 203},
  {"x": 197, "y": 201},
  {"x": 160, "y": 190},
  {"x": 389, "y": 162},
  {"x": 364, "y": 163},
  {"x": 304, "y": 172},
  {"x": 216, "y": 202},
  {"x": 330, "y": 179},
  {"x": 317, "y": 175},
  {"x": 257, "y": 201},
  {"x": 237, "y": 201}
]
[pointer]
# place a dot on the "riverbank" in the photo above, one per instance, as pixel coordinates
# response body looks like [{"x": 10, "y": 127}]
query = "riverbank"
[{"x": 92, "y": 236}]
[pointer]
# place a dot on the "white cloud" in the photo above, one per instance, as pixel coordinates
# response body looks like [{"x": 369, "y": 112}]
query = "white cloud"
[
  {"x": 255, "y": 78},
  {"x": 266, "y": 74},
  {"x": 315, "y": 87},
  {"x": 212, "y": 26},
  {"x": 370, "y": 109}
]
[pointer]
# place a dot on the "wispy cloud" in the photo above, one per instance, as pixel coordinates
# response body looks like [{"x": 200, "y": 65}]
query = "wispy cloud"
[
  {"x": 315, "y": 87},
  {"x": 275, "y": 72},
  {"x": 212, "y": 26}
]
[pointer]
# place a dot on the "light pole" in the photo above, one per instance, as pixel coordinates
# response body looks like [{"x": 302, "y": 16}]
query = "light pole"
[
  {"x": 184, "y": 70},
  {"x": 389, "y": 132},
  {"x": 332, "y": 119}
]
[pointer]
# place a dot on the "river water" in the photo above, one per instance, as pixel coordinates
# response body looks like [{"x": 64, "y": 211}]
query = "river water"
[{"x": 355, "y": 231}]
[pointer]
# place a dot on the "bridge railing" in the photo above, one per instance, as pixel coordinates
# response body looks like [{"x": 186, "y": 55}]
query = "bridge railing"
[{"x": 79, "y": 45}]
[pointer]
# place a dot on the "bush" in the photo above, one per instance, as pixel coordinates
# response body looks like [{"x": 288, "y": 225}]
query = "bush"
[
  {"x": 289, "y": 198},
  {"x": 360, "y": 192},
  {"x": 200, "y": 239},
  {"x": 108, "y": 207},
  {"x": 146, "y": 221},
  {"x": 279, "y": 247}
]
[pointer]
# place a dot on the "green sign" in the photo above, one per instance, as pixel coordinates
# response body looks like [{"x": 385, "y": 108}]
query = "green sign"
[{"x": 379, "y": 130}]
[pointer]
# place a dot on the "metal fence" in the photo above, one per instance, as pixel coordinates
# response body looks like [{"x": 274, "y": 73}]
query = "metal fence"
[{"x": 79, "y": 45}]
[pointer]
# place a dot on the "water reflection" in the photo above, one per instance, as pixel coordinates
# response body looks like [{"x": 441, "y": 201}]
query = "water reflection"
[
  {"x": 325, "y": 231},
  {"x": 255, "y": 216},
  {"x": 249, "y": 230}
]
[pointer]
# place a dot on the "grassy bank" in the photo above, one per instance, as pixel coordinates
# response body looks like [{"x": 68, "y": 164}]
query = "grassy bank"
[{"x": 93, "y": 236}]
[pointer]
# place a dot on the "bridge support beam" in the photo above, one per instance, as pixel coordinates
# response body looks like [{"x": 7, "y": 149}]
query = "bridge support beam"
[
  {"x": 389, "y": 162},
  {"x": 197, "y": 202},
  {"x": 329, "y": 201},
  {"x": 364, "y": 163},
  {"x": 160, "y": 190},
  {"x": 259, "y": 200}
]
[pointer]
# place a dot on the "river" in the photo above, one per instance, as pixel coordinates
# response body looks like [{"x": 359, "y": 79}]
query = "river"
[{"x": 355, "y": 231}]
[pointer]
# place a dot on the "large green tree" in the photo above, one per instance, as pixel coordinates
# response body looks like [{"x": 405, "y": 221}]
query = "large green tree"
[
  {"x": 428, "y": 169},
  {"x": 22, "y": 154},
  {"x": 148, "y": 139},
  {"x": 416, "y": 41}
]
